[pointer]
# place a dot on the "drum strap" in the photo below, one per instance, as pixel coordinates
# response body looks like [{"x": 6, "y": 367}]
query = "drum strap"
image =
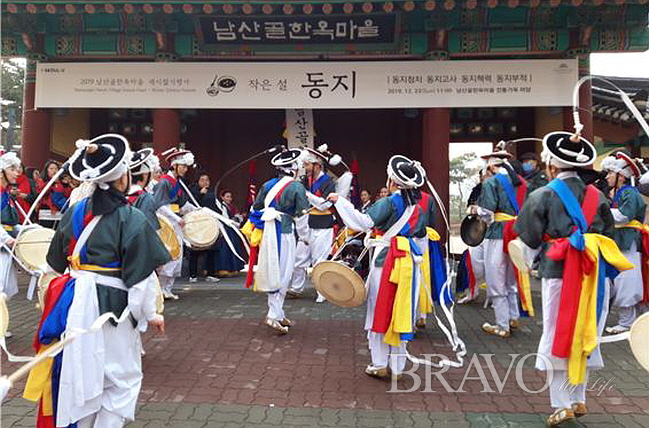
[{"x": 384, "y": 241}]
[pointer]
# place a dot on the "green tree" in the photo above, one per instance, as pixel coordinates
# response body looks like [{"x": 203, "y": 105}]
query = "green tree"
[
  {"x": 11, "y": 92},
  {"x": 460, "y": 170}
]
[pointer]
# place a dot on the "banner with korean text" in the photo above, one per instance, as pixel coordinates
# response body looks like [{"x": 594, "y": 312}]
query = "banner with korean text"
[
  {"x": 299, "y": 127},
  {"x": 297, "y": 85}
]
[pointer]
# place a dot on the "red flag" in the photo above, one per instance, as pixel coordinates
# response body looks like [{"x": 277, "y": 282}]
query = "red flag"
[{"x": 252, "y": 188}]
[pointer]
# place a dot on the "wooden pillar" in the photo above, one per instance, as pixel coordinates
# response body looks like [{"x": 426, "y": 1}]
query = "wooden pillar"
[
  {"x": 166, "y": 129},
  {"x": 36, "y": 123},
  {"x": 436, "y": 125},
  {"x": 166, "y": 122}
]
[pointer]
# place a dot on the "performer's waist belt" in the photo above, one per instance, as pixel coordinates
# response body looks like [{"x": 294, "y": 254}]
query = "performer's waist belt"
[
  {"x": 8, "y": 228},
  {"x": 75, "y": 264},
  {"x": 317, "y": 212},
  {"x": 108, "y": 281},
  {"x": 175, "y": 208},
  {"x": 503, "y": 217},
  {"x": 633, "y": 224}
]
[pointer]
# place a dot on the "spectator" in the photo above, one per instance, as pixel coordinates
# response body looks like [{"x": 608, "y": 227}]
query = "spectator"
[
  {"x": 201, "y": 192},
  {"x": 227, "y": 263},
  {"x": 366, "y": 200}
]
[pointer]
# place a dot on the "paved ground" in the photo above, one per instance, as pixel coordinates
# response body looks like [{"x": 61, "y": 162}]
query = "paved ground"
[{"x": 218, "y": 367}]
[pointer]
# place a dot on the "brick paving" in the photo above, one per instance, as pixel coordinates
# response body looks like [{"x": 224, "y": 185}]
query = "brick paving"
[{"x": 217, "y": 366}]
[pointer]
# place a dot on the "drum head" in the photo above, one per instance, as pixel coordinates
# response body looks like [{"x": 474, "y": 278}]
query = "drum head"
[
  {"x": 516, "y": 250},
  {"x": 168, "y": 237},
  {"x": 43, "y": 283},
  {"x": 340, "y": 284},
  {"x": 4, "y": 315},
  {"x": 473, "y": 230},
  {"x": 32, "y": 246},
  {"x": 201, "y": 229},
  {"x": 639, "y": 340},
  {"x": 159, "y": 297}
]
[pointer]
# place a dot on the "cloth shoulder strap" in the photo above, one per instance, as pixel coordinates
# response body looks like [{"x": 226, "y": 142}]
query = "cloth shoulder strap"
[
  {"x": 509, "y": 191},
  {"x": 570, "y": 202},
  {"x": 278, "y": 187},
  {"x": 618, "y": 194},
  {"x": 400, "y": 223}
]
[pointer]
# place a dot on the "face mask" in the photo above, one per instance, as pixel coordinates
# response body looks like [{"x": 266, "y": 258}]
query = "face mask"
[{"x": 527, "y": 167}]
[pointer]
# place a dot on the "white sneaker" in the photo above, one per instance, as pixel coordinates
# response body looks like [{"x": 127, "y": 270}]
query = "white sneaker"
[
  {"x": 193, "y": 279},
  {"x": 8, "y": 334},
  {"x": 617, "y": 329},
  {"x": 212, "y": 279},
  {"x": 169, "y": 295},
  {"x": 464, "y": 300},
  {"x": 320, "y": 298}
]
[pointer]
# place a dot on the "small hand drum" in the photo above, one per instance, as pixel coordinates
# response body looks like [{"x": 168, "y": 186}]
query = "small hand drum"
[
  {"x": 339, "y": 283},
  {"x": 32, "y": 246},
  {"x": 516, "y": 250},
  {"x": 639, "y": 340},
  {"x": 43, "y": 283},
  {"x": 201, "y": 229},
  {"x": 168, "y": 237}
]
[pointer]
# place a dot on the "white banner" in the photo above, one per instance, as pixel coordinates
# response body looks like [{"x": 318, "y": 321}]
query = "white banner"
[
  {"x": 297, "y": 85},
  {"x": 299, "y": 127}
]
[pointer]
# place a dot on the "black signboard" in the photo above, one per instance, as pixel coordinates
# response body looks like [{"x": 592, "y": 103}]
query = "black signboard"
[{"x": 316, "y": 29}]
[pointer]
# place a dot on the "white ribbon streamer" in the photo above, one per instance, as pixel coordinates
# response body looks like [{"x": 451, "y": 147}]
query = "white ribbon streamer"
[
  {"x": 221, "y": 221},
  {"x": 625, "y": 98}
]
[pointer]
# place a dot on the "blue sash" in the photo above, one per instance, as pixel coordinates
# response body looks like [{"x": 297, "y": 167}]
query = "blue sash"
[
  {"x": 5, "y": 200},
  {"x": 509, "y": 191},
  {"x": 574, "y": 210},
  {"x": 319, "y": 183},
  {"x": 78, "y": 225},
  {"x": 619, "y": 192}
]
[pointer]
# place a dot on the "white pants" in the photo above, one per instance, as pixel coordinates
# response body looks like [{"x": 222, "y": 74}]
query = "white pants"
[
  {"x": 384, "y": 355},
  {"x": 166, "y": 283},
  {"x": 319, "y": 248},
  {"x": 478, "y": 266},
  {"x": 562, "y": 394},
  {"x": 122, "y": 377},
  {"x": 551, "y": 299},
  {"x": 501, "y": 283},
  {"x": 102, "y": 419},
  {"x": 286, "y": 265},
  {"x": 627, "y": 288},
  {"x": 8, "y": 278}
]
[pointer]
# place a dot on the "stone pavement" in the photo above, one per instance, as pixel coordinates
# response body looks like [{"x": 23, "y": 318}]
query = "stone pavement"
[{"x": 217, "y": 366}]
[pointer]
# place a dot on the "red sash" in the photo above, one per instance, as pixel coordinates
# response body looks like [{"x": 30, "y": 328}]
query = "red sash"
[{"x": 576, "y": 265}]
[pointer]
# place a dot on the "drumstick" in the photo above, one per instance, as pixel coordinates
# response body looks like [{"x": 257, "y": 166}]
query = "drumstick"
[
  {"x": 49, "y": 352},
  {"x": 22, "y": 211},
  {"x": 13, "y": 256},
  {"x": 189, "y": 193}
]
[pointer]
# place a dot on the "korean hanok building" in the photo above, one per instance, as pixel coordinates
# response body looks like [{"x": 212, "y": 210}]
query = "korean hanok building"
[{"x": 229, "y": 78}]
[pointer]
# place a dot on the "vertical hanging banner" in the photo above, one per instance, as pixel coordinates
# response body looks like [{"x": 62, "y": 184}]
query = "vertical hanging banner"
[{"x": 299, "y": 127}]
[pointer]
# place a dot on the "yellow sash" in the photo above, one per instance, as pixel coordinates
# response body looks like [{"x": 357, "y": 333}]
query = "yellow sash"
[
  {"x": 75, "y": 264},
  {"x": 401, "y": 275},
  {"x": 634, "y": 224},
  {"x": 39, "y": 383},
  {"x": 503, "y": 217},
  {"x": 585, "y": 334}
]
